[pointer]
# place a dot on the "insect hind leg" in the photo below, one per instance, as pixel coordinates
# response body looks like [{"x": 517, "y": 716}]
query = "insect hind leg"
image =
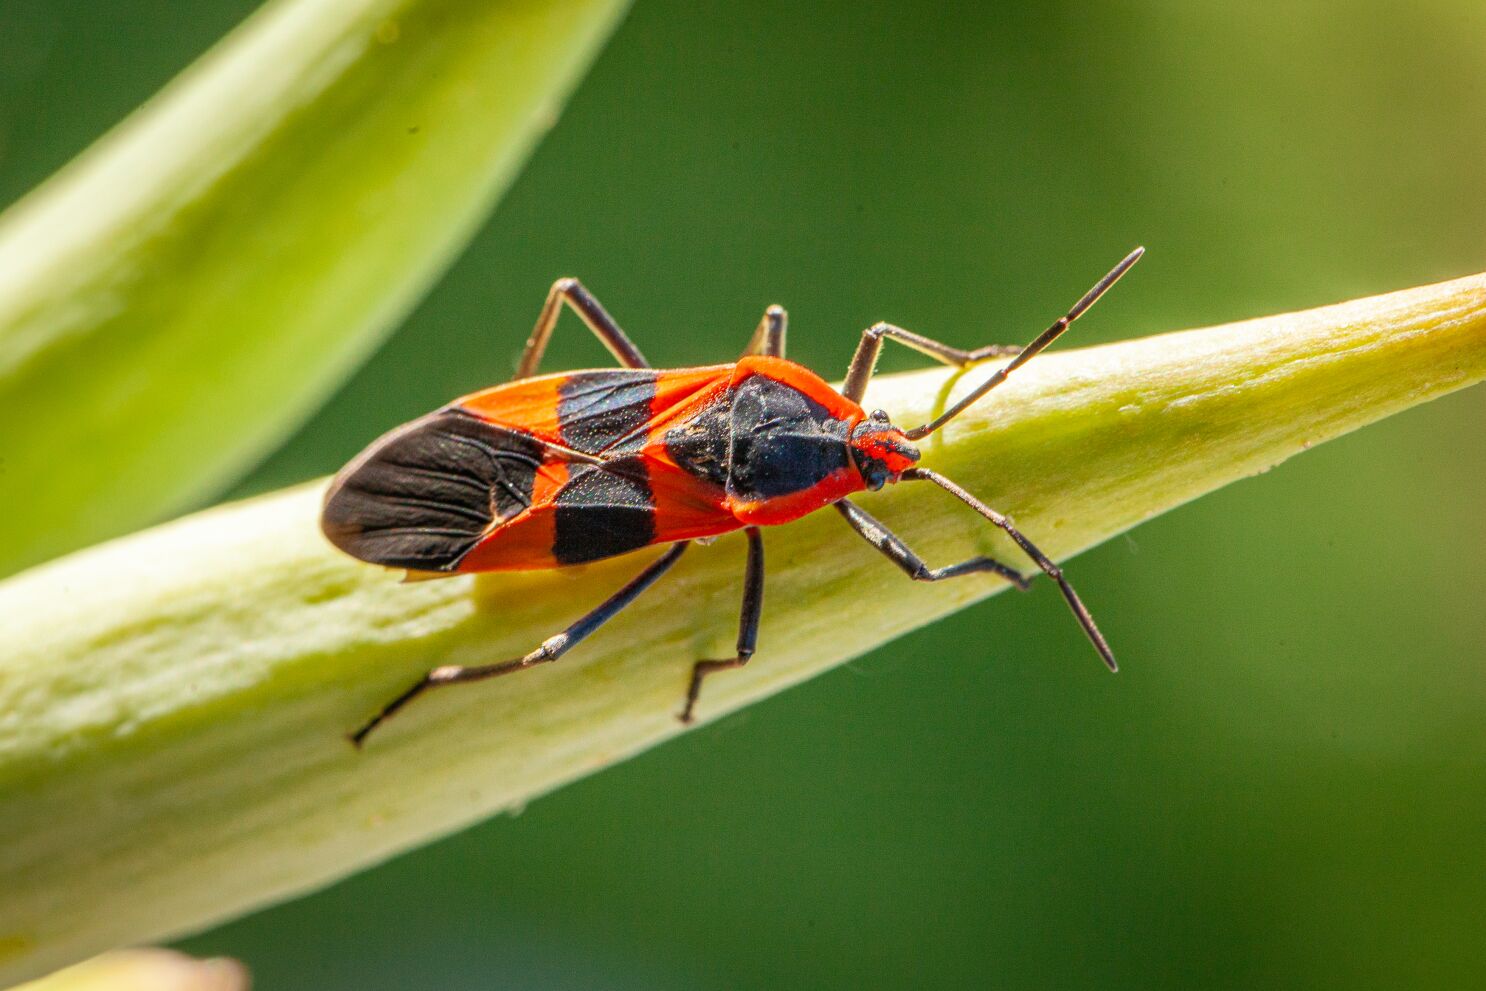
[
  {"x": 550, "y": 649},
  {"x": 748, "y": 620},
  {"x": 576, "y": 295}
]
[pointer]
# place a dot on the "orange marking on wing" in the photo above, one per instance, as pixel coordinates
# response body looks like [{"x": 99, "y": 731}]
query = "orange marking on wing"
[
  {"x": 685, "y": 506},
  {"x": 527, "y": 404},
  {"x": 523, "y": 542},
  {"x": 679, "y": 390},
  {"x": 551, "y": 477}
]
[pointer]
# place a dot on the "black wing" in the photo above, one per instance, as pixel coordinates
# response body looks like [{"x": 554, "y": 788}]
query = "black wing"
[{"x": 421, "y": 496}]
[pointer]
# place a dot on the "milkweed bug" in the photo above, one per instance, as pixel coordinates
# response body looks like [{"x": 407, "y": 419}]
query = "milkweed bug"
[{"x": 554, "y": 470}]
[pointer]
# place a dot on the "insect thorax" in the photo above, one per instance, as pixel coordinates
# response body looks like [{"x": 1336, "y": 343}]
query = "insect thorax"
[{"x": 761, "y": 440}]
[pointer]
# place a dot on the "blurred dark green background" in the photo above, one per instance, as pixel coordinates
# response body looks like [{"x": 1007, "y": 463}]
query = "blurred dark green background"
[{"x": 1287, "y": 784}]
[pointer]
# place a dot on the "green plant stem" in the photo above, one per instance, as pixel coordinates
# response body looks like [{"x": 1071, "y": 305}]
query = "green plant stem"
[
  {"x": 173, "y": 705},
  {"x": 177, "y": 300}
]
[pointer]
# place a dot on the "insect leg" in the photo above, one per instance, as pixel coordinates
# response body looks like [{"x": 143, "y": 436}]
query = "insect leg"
[
  {"x": 550, "y": 649},
  {"x": 1080, "y": 611},
  {"x": 913, "y": 566},
  {"x": 768, "y": 337},
  {"x": 753, "y": 606},
  {"x": 572, "y": 292}
]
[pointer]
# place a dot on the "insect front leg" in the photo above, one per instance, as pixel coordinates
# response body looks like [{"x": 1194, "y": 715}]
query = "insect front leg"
[
  {"x": 768, "y": 337},
  {"x": 748, "y": 620},
  {"x": 550, "y": 649},
  {"x": 896, "y": 551},
  {"x": 1080, "y": 611},
  {"x": 573, "y": 293}
]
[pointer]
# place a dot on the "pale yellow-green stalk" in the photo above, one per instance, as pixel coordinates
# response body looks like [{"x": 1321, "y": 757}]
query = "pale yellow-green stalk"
[
  {"x": 178, "y": 299},
  {"x": 146, "y": 970},
  {"x": 173, "y": 705}
]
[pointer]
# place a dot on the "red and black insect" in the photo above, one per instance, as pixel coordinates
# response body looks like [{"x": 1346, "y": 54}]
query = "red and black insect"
[{"x": 555, "y": 470}]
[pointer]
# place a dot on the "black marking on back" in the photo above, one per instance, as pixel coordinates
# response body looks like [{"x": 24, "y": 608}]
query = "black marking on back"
[
  {"x": 606, "y": 509},
  {"x": 422, "y": 496},
  {"x": 596, "y": 410},
  {"x": 782, "y": 440},
  {"x": 700, "y": 444},
  {"x": 603, "y": 511}
]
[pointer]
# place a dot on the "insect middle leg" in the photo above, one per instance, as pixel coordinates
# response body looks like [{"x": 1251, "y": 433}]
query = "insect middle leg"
[
  {"x": 893, "y": 547},
  {"x": 550, "y": 649},
  {"x": 573, "y": 293},
  {"x": 1045, "y": 563},
  {"x": 768, "y": 337},
  {"x": 753, "y": 607}
]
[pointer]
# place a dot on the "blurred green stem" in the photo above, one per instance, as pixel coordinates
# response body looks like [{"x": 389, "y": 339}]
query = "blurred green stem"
[
  {"x": 176, "y": 300},
  {"x": 173, "y": 706}
]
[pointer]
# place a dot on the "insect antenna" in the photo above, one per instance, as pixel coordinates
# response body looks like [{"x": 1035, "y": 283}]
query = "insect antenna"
[
  {"x": 1031, "y": 350},
  {"x": 1080, "y": 611}
]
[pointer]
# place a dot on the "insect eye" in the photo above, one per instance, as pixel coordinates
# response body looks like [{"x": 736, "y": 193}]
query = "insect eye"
[
  {"x": 875, "y": 480},
  {"x": 879, "y": 415}
]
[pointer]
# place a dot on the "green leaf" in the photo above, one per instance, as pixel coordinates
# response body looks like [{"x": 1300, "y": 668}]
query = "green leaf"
[
  {"x": 173, "y": 705},
  {"x": 178, "y": 299}
]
